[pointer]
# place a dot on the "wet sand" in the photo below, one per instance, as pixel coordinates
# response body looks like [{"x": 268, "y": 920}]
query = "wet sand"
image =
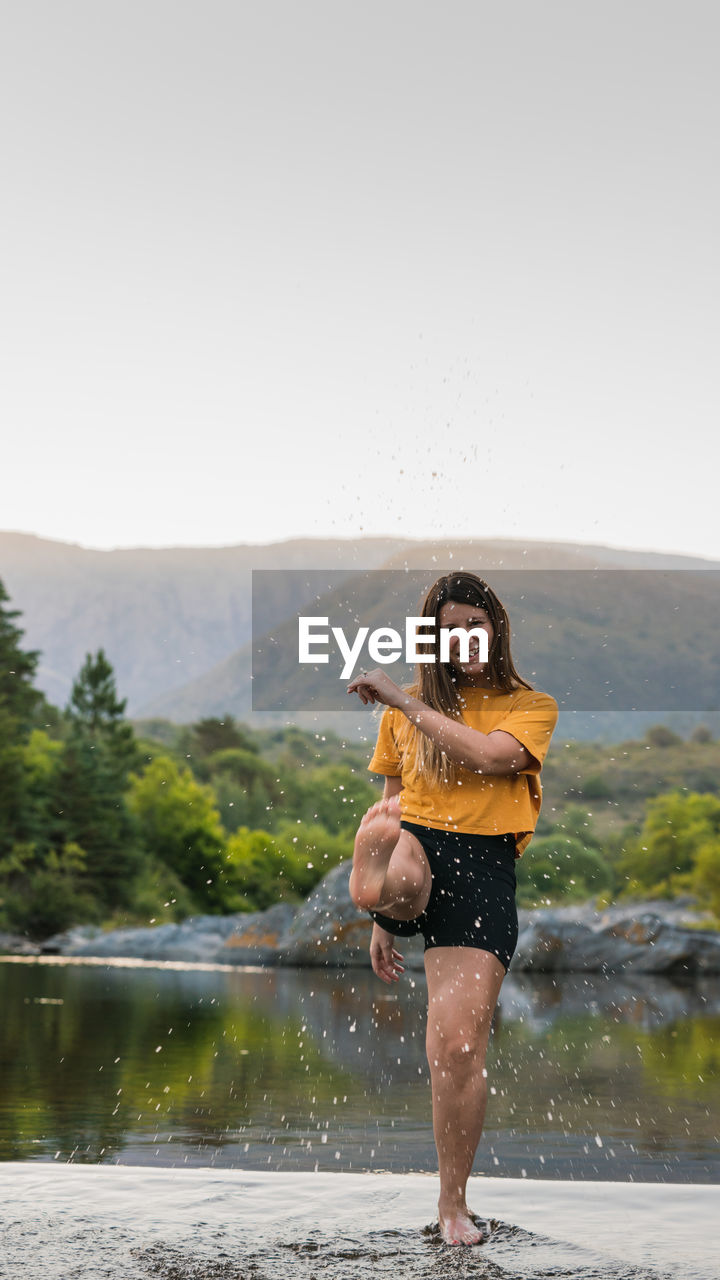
[{"x": 62, "y": 1222}]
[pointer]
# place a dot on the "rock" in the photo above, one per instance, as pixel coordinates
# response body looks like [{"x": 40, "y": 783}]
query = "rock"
[
  {"x": 14, "y": 944},
  {"x": 621, "y": 939},
  {"x": 64, "y": 944},
  {"x": 257, "y": 938},
  {"x": 243, "y": 938},
  {"x": 327, "y": 930}
]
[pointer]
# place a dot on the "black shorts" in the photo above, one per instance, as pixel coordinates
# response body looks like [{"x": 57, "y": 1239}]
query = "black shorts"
[{"x": 472, "y": 897}]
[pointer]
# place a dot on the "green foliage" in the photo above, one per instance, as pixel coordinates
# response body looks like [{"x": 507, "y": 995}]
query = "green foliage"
[
  {"x": 18, "y": 698},
  {"x": 706, "y": 874},
  {"x": 220, "y": 817},
  {"x": 96, "y": 714},
  {"x": 633, "y": 773},
  {"x": 335, "y": 795},
  {"x": 577, "y": 824},
  {"x": 41, "y": 757},
  {"x": 253, "y": 866},
  {"x": 91, "y": 781},
  {"x": 181, "y": 827},
  {"x": 244, "y": 766},
  {"x": 660, "y": 736},
  {"x": 18, "y": 703},
  {"x": 561, "y": 868},
  {"x": 156, "y": 734},
  {"x": 298, "y": 750},
  {"x": 264, "y": 867},
  {"x": 158, "y": 897},
  {"x": 87, "y": 833},
  {"x": 662, "y": 859},
  {"x": 211, "y": 736},
  {"x": 44, "y": 895},
  {"x": 595, "y": 787},
  {"x": 247, "y": 788},
  {"x": 295, "y": 748},
  {"x": 14, "y": 808}
]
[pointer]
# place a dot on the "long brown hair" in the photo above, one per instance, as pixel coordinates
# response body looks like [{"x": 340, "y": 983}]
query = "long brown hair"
[{"x": 436, "y": 682}]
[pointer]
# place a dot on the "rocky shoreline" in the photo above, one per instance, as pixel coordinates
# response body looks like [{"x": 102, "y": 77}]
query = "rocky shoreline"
[{"x": 660, "y": 937}]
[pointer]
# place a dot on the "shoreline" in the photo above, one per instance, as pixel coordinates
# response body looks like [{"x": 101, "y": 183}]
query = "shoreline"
[
  {"x": 662, "y": 937},
  {"x": 664, "y": 1229}
]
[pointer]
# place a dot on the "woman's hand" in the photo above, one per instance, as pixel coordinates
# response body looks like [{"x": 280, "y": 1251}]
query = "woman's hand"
[
  {"x": 384, "y": 958},
  {"x": 376, "y": 686}
]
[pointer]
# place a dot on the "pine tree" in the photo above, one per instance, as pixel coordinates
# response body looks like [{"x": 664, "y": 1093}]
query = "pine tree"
[
  {"x": 98, "y": 755},
  {"x": 18, "y": 698},
  {"x": 97, "y": 715},
  {"x": 18, "y": 701}
]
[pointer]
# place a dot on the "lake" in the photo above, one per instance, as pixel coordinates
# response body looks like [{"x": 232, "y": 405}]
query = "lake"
[{"x": 179, "y": 1065}]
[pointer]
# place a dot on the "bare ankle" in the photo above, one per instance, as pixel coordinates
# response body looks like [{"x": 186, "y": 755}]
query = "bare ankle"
[{"x": 449, "y": 1206}]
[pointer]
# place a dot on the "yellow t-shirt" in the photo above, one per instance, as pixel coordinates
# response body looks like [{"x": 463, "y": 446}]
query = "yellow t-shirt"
[{"x": 477, "y": 803}]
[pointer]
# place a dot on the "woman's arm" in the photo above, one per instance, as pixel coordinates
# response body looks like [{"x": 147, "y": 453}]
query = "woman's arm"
[
  {"x": 385, "y": 960},
  {"x": 492, "y": 753},
  {"x": 496, "y": 752}
]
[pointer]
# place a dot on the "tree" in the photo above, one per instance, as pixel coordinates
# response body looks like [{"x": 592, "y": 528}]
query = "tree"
[
  {"x": 264, "y": 867},
  {"x": 90, "y": 805},
  {"x": 45, "y": 892},
  {"x": 561, "y": 867},
  {"x": 210, "y": 737},
  {"x": 660, "y": 736},
  {"x": 334, "y": 795},
  {"x": 181, "y": 827},
  {"x": 96, "y": 713},
  {"x": 18, "y": 702},
  {"x": 18, "y": 698},
  {"x": 576, "y": 824},
  {"x": 706, "y": 876},
  {"x": 664, "y": 858},
  {"x": 212, "y": 734},
  {"x": 247, "y": 788}
]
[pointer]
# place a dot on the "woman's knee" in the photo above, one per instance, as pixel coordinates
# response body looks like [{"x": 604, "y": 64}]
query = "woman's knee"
[{"x": 455, "y": 1051}]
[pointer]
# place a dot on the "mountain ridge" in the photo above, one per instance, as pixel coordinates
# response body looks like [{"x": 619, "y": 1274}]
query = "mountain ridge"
[{"x": 172, "y": 620}]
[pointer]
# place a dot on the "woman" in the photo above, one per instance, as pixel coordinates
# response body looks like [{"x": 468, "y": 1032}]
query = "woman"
[{"x": 461, "y": 751}]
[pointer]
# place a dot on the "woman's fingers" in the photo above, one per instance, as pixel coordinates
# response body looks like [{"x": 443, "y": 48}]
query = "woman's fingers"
[
  {"x": 365, "y": 686},
  {"x": 388, "y": 970},
  {"x": 365, "y": 695},
  {"x": 382, "y": 972},
  {"x": 385, "y": 966},
  {"x": 359, "y": 685}
]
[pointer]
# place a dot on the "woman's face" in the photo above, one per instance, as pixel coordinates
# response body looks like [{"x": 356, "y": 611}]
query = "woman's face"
[{"x": 467, "y": 617}]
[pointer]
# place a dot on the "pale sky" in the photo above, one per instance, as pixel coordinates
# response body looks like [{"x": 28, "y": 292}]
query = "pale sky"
[{"x": 274, "y": 269}]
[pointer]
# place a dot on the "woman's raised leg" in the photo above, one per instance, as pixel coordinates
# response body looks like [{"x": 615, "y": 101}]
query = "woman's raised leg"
[
  {"x": 463, "y": 987},
  {"x": 390, "y": 872}
]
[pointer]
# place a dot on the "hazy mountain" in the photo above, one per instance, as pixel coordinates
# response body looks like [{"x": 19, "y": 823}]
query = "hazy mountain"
[
  {"x": 164, "y": 617},
  {"x": 609, "y": 643},
  {"x": 176, "y": 622}
]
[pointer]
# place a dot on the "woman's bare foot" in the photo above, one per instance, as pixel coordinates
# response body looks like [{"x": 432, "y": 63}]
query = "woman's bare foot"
[
  {"x": 457, "y": 1227},
  {"x": 376, "y": 838}
]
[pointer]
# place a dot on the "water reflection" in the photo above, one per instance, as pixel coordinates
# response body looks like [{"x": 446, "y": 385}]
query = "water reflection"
[{"x": 589, "y": 1077}]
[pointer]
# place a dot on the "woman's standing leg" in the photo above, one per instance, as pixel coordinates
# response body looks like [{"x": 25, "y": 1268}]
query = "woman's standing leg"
[{"x": 463, "y": 988}]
